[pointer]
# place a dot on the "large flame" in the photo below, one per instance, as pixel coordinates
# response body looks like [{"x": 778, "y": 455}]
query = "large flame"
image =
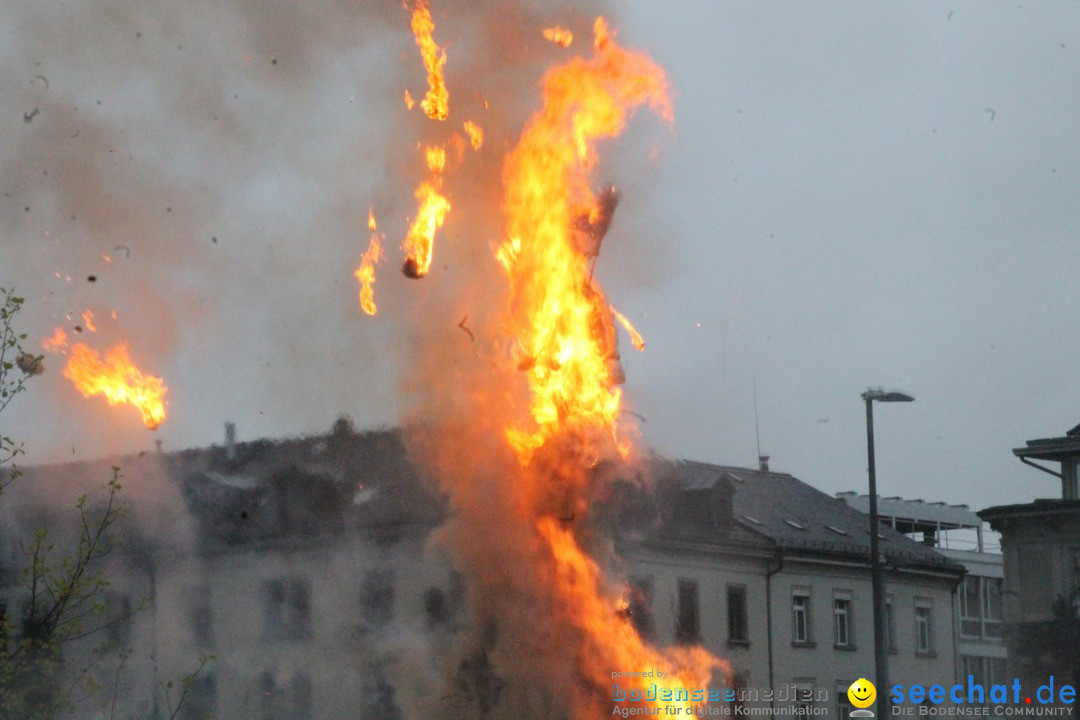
[
  {"x": 419, "y": 244},
  {"x": 562, "y": 323},
  {"x": 436, "y": 102},
  {"x": 565, "y": 327},
  {"x": 118, "y": 379},
  {"x": 520, "y": 445}
]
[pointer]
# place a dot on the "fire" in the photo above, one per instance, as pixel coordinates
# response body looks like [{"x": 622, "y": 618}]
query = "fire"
[
  {"x": 118, "y": 379},
  {"x": 419, "y": 244},
  {"x": 563, "y": 325},
  {"x": 57, "y": 342},
  {"x": 366, "y": 272},
  {"x": 559, "y": 35},
  {"x": 409, "y": 102},
  {"x": 522, "y": 442},
  {"x": 635, "y": 336},
  {"x": 436, "y": 102},
  {"x": 475, "y": 133},
  {"x": 88, "y": 320},
  {"x": 567, "y": 335}
]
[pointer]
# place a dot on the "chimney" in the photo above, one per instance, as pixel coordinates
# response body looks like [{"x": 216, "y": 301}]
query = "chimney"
[
  {"x": 763, "y": 463},
  {"x": 230, "y": 441}
]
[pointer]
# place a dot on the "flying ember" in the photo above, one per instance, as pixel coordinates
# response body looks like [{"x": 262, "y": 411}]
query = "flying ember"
[{"x": 559, "y": 35}]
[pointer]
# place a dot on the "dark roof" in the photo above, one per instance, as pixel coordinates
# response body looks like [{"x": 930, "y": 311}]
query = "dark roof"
[
  {"x": 254, "y": 493},
  {"x": 1041, "y": 508},
  {"x": 1052, "y": 448},
  {"x": 796, "y": 516}
]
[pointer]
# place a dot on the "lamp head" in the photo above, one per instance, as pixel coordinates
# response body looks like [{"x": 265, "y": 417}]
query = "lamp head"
[{"x": 882, "y": 396}]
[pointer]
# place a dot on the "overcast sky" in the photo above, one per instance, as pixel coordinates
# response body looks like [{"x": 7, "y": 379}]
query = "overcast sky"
[{"x": 852, "y": 195}]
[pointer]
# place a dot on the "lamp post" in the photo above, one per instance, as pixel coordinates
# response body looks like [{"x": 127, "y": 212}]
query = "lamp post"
[{"x": 877, "y": 581}]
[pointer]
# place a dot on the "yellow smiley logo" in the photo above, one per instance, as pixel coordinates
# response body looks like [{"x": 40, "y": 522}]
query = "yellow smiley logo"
[{"x": 862, "y": 693}]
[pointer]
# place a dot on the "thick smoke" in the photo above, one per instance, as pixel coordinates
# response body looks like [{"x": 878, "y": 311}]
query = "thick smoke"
[{"x": 223, "y": 156}]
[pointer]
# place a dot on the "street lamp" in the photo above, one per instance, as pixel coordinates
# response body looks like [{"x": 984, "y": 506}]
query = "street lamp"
[{"x": 877, "y": 582}]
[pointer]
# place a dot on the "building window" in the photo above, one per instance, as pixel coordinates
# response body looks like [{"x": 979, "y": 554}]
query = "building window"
[
  {"x": 804, "y": 698},
  {"x": 286, "y": 699},
  {"x": 286, "y": 609},
  {"x": 377, "y": 697},
  {"x": 800, "y": 617},
  {"x": 923, "y": 628},
  {"x": 377, "y": 598},
  {"x": 736, "y": 615},
  {"x": 688, "y": 623},
  {"x": 843, "y": 706},
  {"x": 639, "y": 607},
  {"x": 890, "y": 626},
  {"x": 980, "y": 607},
  {"x": 985, "y": 671},
  {"x": 842, "y": 621},
  {"x": 200, "y": 697}
]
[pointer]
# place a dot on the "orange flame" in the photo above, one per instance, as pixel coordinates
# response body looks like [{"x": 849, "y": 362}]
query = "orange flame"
[
  {"x": 409, "y": 102},
  {"x": 567, "y": 336},
  {"x": 635, "y": 336},
  {"x": 436, "y": 102},
  {"x": 563, "y": 325},
  {"x": 57, "y": 342},
  {"x": 118, "y": 379},
  {"x": 559, "y": 35},
  {"x": 419, "y": 244},
  {"x": 366, "y": 272},
  {"x": 88, "y": 320},
  {"x": 475, "y": 133}
]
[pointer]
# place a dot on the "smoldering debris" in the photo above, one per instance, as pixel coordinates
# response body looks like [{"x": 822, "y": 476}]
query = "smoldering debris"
[{"x": 30, "y": 364}]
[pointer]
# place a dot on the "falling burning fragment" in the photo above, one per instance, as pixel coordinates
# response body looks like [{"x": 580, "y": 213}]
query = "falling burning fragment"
[
  {"x": 436, "y": 103},
  {"x": 419, "y": 244},
  {"x": 366, "y": 272},
  {"x": 118, "y": 380}
]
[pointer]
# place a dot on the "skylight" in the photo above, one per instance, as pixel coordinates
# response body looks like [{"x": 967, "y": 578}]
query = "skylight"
[
  {"x": 837, "y": 530},
  {"x": 753, "y": 520},
  {"x": 795, "y": 525}
]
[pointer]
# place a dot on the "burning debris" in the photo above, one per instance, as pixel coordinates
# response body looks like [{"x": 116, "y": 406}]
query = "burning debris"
[
  {"x": 436, "y": 103},
  {"x": 419, "y": 244},
  {"x": 118, "y": 380},
  {"x": 116, "y": 377},
  {"x": 559, "y": 35},
  {"x": 366, "y": 272}
]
